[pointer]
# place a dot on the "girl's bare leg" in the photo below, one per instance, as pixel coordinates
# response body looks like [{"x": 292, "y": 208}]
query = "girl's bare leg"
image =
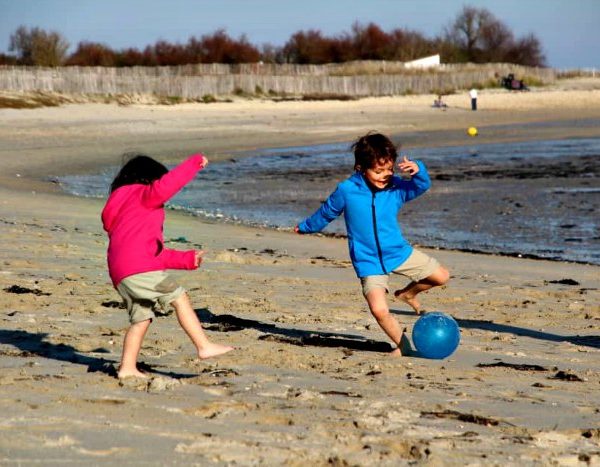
[
  {"x": 377, "y": 302},
  {"x": 409, "y": 293},
  {"x": 132, "y": 343},
  {"x": 191, "y": 325}
]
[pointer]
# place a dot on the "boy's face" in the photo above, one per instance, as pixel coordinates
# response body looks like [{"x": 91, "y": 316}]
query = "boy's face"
[{"x": 380, "y": 174}]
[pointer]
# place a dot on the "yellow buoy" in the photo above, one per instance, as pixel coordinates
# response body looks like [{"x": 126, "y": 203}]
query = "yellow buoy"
[{"x": 472, "y": 131}]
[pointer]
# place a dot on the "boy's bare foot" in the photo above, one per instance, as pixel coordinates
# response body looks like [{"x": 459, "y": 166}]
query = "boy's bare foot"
[
  {"x": 410, "y": 301},
  {"x": 213, "y": 350},
  {"x": 122, "y": 374}
]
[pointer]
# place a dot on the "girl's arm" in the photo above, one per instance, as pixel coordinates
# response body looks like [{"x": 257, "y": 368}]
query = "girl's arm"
[
  {"x": 159, "y": 192},
  {"x": 419, "y": 182},
  {"x": 329, "y": 210},
  {"x": 177, "y": 259}
]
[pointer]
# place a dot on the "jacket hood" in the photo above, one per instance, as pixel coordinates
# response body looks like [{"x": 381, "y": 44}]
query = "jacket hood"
[
  {"x": 114, "y": 204},
  {"x": 359, "y": 180}
]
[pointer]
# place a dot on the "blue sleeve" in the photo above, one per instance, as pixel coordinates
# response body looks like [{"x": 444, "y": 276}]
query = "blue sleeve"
[
  {"x": 417, "y": 185},
  {"x": 329, "y": 210}
]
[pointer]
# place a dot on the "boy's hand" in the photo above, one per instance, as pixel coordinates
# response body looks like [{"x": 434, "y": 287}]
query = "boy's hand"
[
  {"x": 198, "y": 258},
  {"x": 408, "y": 167},
  {"x": 297, "y": 230}
]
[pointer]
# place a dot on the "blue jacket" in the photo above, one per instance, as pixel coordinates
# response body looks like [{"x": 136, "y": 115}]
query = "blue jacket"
[{"x": 375, "y": 240}]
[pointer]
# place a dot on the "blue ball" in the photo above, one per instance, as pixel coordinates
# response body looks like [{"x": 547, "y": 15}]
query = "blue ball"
[{"x": 436, "y": 335}]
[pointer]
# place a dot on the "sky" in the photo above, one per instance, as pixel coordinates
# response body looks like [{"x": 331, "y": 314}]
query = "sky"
[{"x": 569, "y": 30}]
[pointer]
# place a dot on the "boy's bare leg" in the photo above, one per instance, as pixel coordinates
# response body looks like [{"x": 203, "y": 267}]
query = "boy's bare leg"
[
  {"x": 132, "y": 343},
  {"x": 377, "y": 302},
  {"x": 191, "y": 325},
  {"x": 409, "y": 293}
]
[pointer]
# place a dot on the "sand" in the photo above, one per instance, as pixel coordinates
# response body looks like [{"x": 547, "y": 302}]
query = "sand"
[{"x": 310, "y": 381}]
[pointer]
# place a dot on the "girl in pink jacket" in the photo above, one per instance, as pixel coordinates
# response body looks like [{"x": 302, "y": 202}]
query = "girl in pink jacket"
[{"x": 133, "y": 217}]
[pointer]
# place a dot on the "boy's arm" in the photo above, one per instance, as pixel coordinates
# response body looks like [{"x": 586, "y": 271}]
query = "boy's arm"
[
  {"x": 159, "y": 192},
  {"x": 329, "y": 210},
  {"x": 417, "y": 185}
]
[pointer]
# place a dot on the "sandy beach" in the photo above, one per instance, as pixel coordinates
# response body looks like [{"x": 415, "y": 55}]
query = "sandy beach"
[{"x": 310, "y": 381}]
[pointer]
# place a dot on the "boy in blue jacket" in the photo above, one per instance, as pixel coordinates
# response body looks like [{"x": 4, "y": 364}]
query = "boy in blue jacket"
[{"x": 370, "y": 200}]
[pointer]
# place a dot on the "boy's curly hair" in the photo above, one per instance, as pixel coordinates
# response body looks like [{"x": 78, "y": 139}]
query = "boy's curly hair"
[{"x": 372, "y": 148}]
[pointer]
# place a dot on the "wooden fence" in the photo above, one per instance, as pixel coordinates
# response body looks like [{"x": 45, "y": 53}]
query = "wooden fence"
[{"x": 354, "y": 79}]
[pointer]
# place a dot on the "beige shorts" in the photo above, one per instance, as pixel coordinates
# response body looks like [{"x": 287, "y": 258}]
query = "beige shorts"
[
  {"x": 142, "y": 292},
  {"x": 418, "y": 266}
]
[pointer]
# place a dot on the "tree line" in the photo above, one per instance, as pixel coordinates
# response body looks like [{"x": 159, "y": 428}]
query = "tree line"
[{"x": 475, "y": 35}]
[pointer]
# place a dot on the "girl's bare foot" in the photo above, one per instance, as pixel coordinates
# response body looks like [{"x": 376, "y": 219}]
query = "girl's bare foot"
[
  {"x": 213, "y": 350},
  {"x": 404, "y": 347},
  {"x": 135, "y": 373},
  {"x": 410, "y": 301}
]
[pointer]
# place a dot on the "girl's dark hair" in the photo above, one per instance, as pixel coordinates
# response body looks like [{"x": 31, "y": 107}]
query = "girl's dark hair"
[
  {"x": 138, "y": 169},
  {"x": 371, "y": 148}
]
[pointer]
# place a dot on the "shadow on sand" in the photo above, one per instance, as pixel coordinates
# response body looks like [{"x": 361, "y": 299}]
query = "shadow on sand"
[
  {"x": 486, "y": 325},
  {"x": 228, "y": 323},
  {"x": 35, "y": 344}
]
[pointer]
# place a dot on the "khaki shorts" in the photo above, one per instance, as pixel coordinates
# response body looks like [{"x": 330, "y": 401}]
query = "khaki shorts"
[
  {"x": 142, "y": 292},
  {"x": 418, "y": 266}
]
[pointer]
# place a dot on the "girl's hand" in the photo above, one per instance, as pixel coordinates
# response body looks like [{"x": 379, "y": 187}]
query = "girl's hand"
[
  {"x": 198, "y": 258},
  {"x": 203, "y": 159},
  {"x": 204, "y": 162},
  {"x": 408, "y": 167},
  {"x": 297, "y": 230}
]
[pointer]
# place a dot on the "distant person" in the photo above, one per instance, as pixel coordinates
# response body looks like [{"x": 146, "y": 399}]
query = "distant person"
[
  {"x": 133, "y": 217},
  {"x": 370, "y": 200},
  {"x": 473, "y": 95},
  {"x": 439, "y": 103}
]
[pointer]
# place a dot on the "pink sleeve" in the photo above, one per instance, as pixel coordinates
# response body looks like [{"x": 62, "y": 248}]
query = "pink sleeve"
[
  {"x": 176, "y": 259},
  {"x": 159, "y": 192}
]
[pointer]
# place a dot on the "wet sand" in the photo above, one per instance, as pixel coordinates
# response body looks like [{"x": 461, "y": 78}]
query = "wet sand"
[
  {"x": 485, "y": 197},
  {"x": 310, "y": 381}
]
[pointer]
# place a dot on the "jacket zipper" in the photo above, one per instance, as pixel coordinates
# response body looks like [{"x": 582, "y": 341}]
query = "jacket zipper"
[{"x": 377, "y": 236}]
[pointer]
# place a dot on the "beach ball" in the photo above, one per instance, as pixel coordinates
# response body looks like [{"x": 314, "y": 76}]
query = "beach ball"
[
  {"x": 436, "y": 335},
  {"x": 472, "y": 131}
]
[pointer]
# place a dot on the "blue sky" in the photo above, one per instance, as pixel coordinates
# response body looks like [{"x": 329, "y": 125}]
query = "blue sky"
[{"x": 569, "y": 30}]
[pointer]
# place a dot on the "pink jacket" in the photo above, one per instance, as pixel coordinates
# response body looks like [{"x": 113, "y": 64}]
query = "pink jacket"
[{"x": 133, "y": 217}]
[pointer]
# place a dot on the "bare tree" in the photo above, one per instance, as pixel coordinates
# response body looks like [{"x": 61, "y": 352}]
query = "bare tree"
[
  {"x": 466, "y": 31},
  {"x": 476, "y": 35},
  {"x": 526, "y": 51},
  {"x": 38, "y": 47},
  {"x": 495, "y": 39}
]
